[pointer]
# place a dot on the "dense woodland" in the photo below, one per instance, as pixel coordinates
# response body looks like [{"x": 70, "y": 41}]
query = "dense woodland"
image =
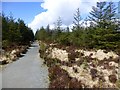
[
  {"x": 103, "y": 32},
  {"x": 14, "y": 32}
]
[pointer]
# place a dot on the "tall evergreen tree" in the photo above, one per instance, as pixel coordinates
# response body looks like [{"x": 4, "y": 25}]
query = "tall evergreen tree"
[
  {"x": 103, "y": 14},
  {"x": 48, "y": 28},
  {"x": 77, "y": 19},
  {"x": 15, "y": 32},
  {"x": 59, "y": 24}
]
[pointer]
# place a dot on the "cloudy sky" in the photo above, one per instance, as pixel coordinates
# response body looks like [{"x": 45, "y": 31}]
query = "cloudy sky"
[{"x": 43, "y": 12}]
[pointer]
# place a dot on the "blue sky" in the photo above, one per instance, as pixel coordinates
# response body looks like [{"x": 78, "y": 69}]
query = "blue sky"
[
  {"x": 38, "y": 14},
  {"x": 24, "y": 10}
]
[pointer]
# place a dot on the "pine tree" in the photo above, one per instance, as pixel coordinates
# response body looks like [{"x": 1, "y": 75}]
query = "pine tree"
[
  {"x": 59, "y": 24},
  {"x": 48, "y": 28},
  {"x": 103, "y": 14},
  {"x": 97, "y": 14},
  {"x": 77, "y": 19}
]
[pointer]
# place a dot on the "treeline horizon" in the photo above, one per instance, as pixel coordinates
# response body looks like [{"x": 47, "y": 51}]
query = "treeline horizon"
[
  {"x": 15, "y": 32},
  {"x": 103, "y": 32}
]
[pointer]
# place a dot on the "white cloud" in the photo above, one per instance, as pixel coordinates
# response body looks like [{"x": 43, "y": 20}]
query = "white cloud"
[{"x": 60, "y": 8}]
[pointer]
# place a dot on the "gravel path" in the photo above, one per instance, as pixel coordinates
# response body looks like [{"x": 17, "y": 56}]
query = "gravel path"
[{"x": 27, "y": 72}]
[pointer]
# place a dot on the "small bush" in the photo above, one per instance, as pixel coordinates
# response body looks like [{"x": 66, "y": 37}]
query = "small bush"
[
  {"x": 42, "y": 46},
  {"x": 5, "y": 43}
]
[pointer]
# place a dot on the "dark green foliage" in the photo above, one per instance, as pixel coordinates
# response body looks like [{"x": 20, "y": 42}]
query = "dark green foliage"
[
  {"x": 77, "y": 19},
  {"x": 15, "y": 32},
  {"x": 26, "y": 33},
  {"x": 103, "y": 14},
  {"x": 103, "y": 34},
  {"x": 41, "y": 34},
  {"x": 63, "y": 39}
]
